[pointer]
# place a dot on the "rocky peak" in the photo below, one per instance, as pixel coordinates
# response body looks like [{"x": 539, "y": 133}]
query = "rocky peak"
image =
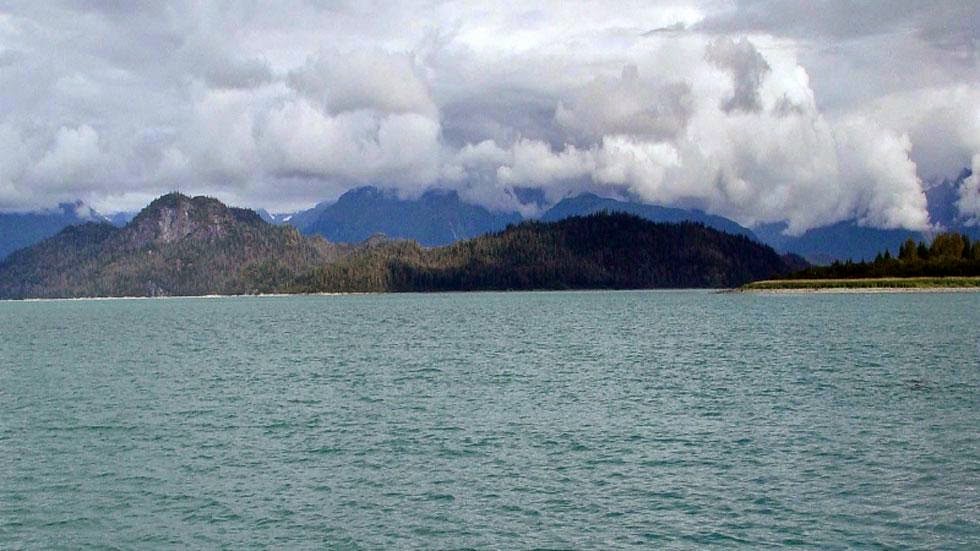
[{"x": 175, "y": 217}]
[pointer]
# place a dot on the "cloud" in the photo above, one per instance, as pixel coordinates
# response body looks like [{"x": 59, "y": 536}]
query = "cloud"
[
  {"x": 355, "y": 147},
  {"x": 969, "y": 196},
  {"x": 371, "y": 79},
  {"x": 799, "y": 169},
  {"x": 10, "y": 57},
  {"x": 942, "y": 21},
  {"x": 747, "y": 68},
  {"x": 74, "y": 159},
  {"x": 221, "y": 136},
  {"x": 231, "y": 73},
  {"x": 534, "y": 163},
  {"x": 14, "y": 161},
  {"x": 943, "y": 124},
  {"x": 760, "y": 111},
  {"x": 876, "y": 163},
  {"x": 626, "y": 105},
  {"x": 780, "y": 160}
]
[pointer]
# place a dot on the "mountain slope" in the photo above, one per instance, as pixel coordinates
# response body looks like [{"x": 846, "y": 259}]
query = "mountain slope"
[
  {"x": 589, "y": 203},
  {"x": 120, "y": 219},
  {"x": 841, "y": 241},
  {"x": 616, "y": 251},
  {"x": 19, "y": 230},
  {"x": 441, "y": 217},
  {"x": 942, "y": 196},
  {"x": 435, "y": 218},
  {"x": 175, "y": 246},
  {"x": 183, "y": 246},
  {"x": 845, "y": 240}
]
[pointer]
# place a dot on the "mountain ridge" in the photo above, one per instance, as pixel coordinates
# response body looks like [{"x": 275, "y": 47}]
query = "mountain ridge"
[
  {"x": 441, "y": 217},
  {"x": 179, "y": 245},
  {"x": 597, "y": 251},
  {"x": 437, "y": 217},
  {"x": 590, "y": 203},
  {"x": 22, "y": 229}
]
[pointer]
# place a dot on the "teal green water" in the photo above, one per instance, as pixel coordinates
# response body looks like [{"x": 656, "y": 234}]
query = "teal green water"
[{"x": 502, "y": 420}]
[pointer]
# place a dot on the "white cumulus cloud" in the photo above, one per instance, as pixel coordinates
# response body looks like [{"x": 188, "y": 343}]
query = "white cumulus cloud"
[{"x": 760, "y": 111}]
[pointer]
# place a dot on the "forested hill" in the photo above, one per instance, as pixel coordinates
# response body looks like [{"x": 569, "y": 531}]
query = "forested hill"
[
  {"x": 195, "y": 246},
  {"x": 599, "y": 251},
  {"x": 950, "y": 254},
  {"x": 175, "y": 246}
]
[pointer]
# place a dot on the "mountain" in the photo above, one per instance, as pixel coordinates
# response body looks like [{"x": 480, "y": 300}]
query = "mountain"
[
  {"x": 847, "y": 240},
  {"x": 302, "y": 220},
  {"x": 175, "y": 246},
  {"x": 436, "y": 218},
  {"x": 589, "y": 203},
  {"x": 19, "y": 230},
  {"x": 841, "y": 241},
  {"x": 942, "y": 196},
  {"x": 598, "y": 251},
  {"x": 120, "y": 219},
  {"x": 441, "y": 217},
  {"x": 274, "y": 218},
  {"x": 950, "y": 255},
  {"x": 179, "y": 245}
]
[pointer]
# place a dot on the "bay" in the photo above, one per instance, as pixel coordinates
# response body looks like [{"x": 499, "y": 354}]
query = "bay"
[{"x": 685, "y": 419}]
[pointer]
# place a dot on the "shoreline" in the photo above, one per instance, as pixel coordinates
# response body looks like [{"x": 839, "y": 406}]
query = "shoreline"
[
  {"x": 738, "y": 290},
  {"x": 181, "y": 297},
  {"x": 856, "y": 290},
  {"x": 359, "y": 293},
  {"x": 939, "y": 284}
]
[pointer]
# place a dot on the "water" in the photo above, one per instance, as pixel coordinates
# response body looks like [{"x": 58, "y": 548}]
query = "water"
[{"x": 584, "y": 420}]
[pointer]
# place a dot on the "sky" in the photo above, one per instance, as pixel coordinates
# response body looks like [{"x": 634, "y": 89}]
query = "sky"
[{"x": 761, "y": 111}]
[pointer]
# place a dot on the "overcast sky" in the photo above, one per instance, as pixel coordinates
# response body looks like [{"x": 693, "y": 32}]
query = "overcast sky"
[{"x": 809, "y": 112}]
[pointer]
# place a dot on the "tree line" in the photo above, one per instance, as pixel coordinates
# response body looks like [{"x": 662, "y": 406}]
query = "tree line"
[
  {"x": 950, "y": 254},
  {"x": 599, "y": 251}
]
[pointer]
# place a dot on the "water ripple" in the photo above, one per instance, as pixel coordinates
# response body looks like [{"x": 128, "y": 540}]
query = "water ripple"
[{"x": 492, "y": 420}]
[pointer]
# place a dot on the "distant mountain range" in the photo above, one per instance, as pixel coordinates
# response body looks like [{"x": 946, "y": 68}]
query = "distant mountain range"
[
  {"x": 849, "y": 240},
  {"x": 195, "y": 246},
  {"x": 441, "y": 217},
  {"x": 840, "y": 241},
  {"x": 942, "y": 196},
  {"x": 589, "y": 203},
  {"x": 18, "y": 230},
  {"x": 597, "y": 251},
  {"x": 435, "y": 218}
]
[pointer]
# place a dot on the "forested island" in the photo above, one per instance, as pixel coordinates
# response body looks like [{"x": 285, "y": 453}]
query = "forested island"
[
  {"x": 180, "y": 245},
  {"x": 950, "y": 261}
]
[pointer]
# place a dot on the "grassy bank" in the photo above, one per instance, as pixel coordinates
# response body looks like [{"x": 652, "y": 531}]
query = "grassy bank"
[{"x": 864, "y": 283}]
